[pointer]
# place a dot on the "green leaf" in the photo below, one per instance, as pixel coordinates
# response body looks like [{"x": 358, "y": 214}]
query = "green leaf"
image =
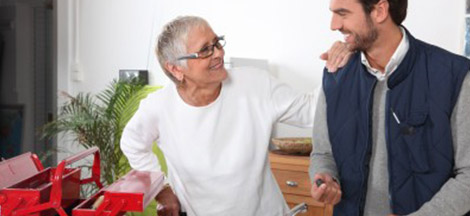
[{"x": 99, "y": 121}]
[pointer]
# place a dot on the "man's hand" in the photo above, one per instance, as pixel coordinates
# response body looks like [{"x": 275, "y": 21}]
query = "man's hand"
[
  {"x": 329, "y": 192},
  {"x": 168, "y": 204},
  {"x": 337, "y": 56}
]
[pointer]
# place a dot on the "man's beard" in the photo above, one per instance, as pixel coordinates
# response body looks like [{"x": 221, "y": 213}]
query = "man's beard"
[{"x": 365, "y": 41}]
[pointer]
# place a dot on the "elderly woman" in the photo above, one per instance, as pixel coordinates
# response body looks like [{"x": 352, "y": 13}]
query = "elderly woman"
[{"x": 213, "y": 127}]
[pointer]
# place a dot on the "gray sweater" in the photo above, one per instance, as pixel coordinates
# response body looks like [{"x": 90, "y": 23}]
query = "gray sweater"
[{"x": 454, "y": 196}]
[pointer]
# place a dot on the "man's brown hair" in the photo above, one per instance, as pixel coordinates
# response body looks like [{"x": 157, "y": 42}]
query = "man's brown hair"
[{"x": 397, "y": 8}]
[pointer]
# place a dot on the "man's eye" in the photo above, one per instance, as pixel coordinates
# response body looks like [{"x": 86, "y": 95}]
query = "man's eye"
[{"x": 342, "y": 13}]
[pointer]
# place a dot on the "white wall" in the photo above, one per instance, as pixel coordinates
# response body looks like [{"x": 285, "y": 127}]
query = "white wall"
[
  {"x": 120, "y": 34},
  {"x": 113, "y": 35},
  {"x": 438, "y": 22}
]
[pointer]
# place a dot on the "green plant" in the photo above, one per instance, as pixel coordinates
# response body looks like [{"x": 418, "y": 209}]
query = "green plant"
[{"x": 99, "y": 121}]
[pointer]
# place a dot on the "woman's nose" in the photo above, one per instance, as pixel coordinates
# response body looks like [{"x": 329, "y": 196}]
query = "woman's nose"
[{"x": 219, "y": 52}]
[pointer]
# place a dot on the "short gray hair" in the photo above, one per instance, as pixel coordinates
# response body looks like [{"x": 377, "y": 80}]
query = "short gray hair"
[{"x": 172, "y": 41}]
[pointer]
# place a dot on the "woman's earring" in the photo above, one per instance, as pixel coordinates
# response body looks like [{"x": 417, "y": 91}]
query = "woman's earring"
[{"x": 181, "y": 78}]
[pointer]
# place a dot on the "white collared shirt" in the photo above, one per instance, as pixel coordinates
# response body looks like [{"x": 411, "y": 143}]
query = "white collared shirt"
[{"x": 395, "y": 60}]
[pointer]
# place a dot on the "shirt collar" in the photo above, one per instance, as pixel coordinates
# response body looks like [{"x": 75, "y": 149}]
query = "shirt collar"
[{"x": 395, "y": 60}]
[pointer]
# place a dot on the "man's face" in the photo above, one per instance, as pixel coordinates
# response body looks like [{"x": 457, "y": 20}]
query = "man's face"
[
  {"x": 204, "y": 71},
  {"x": 357, "y": 27}
]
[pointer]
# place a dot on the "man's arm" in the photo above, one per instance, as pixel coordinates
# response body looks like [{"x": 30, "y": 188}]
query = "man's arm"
[
  {"x": 322, "y": 163},
  {"x": 454, "y": 196},
  {"x": 321, "y": 158}
]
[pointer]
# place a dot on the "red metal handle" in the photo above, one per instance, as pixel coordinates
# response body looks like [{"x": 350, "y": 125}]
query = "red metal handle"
[
  {"x": 37, "y": 162},
  {"x": 56, "y": 190},
  {"x": 96, "y": 168},
  {"x": 81, "y": 155}
]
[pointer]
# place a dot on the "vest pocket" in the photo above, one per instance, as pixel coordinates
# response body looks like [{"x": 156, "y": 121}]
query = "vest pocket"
[{"x": 414, "y": 136}]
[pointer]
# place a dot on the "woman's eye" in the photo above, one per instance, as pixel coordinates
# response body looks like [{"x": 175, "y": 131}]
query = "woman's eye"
[{"x": 205, "y": 49}]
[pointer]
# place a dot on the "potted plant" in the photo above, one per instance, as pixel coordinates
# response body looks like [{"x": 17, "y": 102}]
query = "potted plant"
[{"x": 99, "y": 121}]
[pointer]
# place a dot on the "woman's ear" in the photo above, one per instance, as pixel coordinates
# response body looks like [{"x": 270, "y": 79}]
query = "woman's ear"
[{"x": 175, "y": 70}]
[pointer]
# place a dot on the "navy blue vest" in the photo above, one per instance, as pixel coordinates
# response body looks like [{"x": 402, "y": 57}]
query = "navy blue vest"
[{"x": 422, "y": 93}]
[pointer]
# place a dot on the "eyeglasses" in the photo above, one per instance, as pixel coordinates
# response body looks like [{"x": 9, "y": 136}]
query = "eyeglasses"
[{"x": 207, "y": 50}]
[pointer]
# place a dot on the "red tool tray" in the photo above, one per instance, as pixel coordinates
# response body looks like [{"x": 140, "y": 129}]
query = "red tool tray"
[
  {"x": 42, "y": 192},
  {"x": 133, "y": 192},
  {"x": 28, "y": 189},
  {"x": 19, "y": 168}
]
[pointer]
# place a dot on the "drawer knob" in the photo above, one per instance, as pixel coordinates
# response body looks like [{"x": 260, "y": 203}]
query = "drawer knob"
[{"x": 292, "y": 183}]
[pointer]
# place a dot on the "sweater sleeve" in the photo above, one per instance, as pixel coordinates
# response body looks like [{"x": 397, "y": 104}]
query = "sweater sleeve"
[
  {"x": 454, "y": 196},
  {"x": 138, "y": 137},
  {"x": 321, "y": 158}
]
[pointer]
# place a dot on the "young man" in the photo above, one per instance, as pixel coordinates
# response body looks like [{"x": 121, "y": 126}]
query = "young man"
[{"x": 391, "y": 128}]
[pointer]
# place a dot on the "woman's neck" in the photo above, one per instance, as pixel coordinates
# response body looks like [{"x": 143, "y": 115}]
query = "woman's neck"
[{"x": 199, "y": 96}]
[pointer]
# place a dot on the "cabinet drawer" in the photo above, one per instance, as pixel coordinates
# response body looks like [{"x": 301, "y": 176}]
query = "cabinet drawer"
[
  {"x": 314, "y": 208},
  {"x": 292, "y": 182},
  {"x": 311, "y": 210}
]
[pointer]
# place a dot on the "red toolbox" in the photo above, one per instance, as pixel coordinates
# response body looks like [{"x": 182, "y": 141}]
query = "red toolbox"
[
  {"x": 131, "y": 193},
  {"x": 19, "y": 168},
  {"x": 28, "y": 189},
  {"x": 46, "y": 190}
]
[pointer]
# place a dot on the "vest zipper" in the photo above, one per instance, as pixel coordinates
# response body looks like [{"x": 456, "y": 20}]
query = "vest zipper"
[
  {"x": 388, "y": 109},
  {"x": 368, "y": 151}
]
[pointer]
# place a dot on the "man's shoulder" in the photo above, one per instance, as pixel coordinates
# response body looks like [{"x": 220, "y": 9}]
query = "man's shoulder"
[
  {"x": 442, "y": 62},
  {"x": 347, "y": 72},
  {"x": 440, "y": 54}
]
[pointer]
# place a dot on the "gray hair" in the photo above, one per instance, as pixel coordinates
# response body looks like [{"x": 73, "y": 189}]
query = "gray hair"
[{"x": 172, "y": 41}]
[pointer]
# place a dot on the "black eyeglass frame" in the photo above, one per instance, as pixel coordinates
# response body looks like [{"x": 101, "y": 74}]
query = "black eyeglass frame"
[{"x": 219, "y": 43}]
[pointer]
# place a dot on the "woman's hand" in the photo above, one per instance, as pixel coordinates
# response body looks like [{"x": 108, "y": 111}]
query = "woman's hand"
[
  {"x": 168, "y": 204},
  {"x": 337, "y": 56}
]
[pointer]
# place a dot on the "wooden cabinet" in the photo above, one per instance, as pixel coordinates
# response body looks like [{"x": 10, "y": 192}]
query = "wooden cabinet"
[{"x": 291, "y": 173}]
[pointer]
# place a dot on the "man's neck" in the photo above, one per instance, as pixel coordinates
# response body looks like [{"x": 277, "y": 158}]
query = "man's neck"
[{"x": 383, "y": 48}]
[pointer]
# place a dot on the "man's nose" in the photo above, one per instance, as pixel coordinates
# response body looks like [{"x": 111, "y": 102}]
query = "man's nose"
[{"x": 335, "y": 23}]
